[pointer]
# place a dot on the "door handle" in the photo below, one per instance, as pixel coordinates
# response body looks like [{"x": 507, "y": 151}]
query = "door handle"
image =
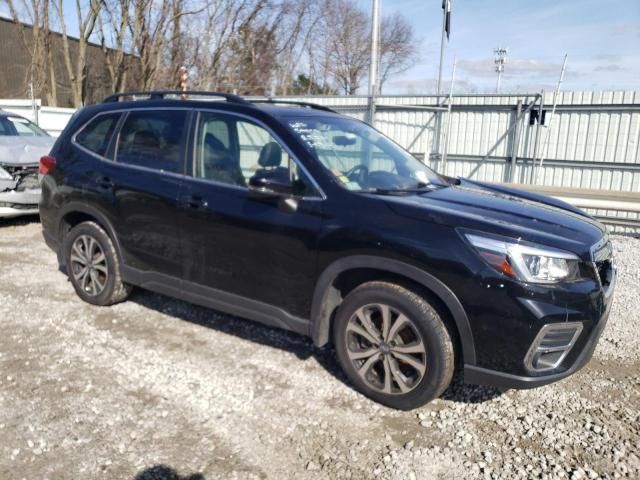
[
  {"x": 104, "y": 183},
  {"x": 195, "y": 202}
]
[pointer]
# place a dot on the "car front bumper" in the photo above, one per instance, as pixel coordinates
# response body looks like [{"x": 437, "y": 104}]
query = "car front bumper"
[
  {"x": 504, "y": 358},
  {"x": 483, "y": 376},
  {"x": 14, "y": 203}
]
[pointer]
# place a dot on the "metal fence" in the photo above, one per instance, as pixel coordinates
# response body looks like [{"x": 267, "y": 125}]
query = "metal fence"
[{"x": 592, "y": 142}]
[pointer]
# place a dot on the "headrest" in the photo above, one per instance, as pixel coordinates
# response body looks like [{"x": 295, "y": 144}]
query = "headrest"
[
  {"x": 145, "y": 138},
  {"x": 270, "y": 155},
  {"x": 211, "y": 141}
]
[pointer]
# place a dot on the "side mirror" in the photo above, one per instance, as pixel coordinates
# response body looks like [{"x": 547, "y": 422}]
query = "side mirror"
[{"x": 270, "y": 186}]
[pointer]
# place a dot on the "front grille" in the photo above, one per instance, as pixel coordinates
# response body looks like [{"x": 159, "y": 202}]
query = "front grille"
[
  {"x": 602, "y": 255},
  {"x": 21, "y": 170},
  {"x": 28, "y": 182}
]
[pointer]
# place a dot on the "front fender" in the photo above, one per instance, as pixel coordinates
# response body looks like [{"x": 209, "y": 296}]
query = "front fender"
[{"x": 324, "y": 297}]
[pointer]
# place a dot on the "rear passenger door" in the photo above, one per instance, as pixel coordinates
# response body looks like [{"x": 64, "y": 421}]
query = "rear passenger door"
[{"x": 145, "y": 181}]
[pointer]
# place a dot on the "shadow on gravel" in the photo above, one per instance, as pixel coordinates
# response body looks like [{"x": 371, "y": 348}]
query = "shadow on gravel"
[
  {"x": 302, "y": 347},
  {"x": 19, "y": 221},
  {"x": 461, "y": 393},
  {"x": 162, "y": 472}
]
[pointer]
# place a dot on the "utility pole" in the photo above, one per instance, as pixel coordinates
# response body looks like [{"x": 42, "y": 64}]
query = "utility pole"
[
  {"x": 446, "y": 19},
  {"x": 500, "y": 59},
  {"x": 373, "y": 70},
  {"x": 445, "y": 146},
  {"x": 545, "y": 151}
]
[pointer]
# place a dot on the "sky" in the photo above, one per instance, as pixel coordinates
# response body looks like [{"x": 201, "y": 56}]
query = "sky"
[{"x": 600, "y": 37}]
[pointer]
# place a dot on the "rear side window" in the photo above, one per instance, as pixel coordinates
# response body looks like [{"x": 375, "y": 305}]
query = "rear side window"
[
  {"x": 96, "y": 135},
  {"x": 153, "y": 139}
]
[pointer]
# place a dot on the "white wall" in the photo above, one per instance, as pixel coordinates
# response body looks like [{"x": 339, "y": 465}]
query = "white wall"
[{"x": 51, "y": 119}]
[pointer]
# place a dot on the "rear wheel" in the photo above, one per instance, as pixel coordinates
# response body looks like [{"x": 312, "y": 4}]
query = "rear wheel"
[
  {"x": 93, "y": 265},
  {"x": 393, "y": 345}
]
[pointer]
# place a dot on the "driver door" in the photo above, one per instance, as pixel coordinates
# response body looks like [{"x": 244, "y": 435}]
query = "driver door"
[{"x": 259, "y": 245}]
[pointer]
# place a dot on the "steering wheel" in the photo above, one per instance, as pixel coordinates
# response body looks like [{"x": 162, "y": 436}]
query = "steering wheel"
[{"x": 357, "y": 173}]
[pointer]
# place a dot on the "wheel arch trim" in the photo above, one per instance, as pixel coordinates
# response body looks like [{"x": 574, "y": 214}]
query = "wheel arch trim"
[
  {"x": 321, "y": 317},
  {"x": 101, "y": 219}
]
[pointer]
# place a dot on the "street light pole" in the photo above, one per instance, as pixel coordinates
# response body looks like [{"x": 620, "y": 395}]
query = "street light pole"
[
  {"x": 499, "y": 60},
  {"x": 446, "y": 7},
  {"x": 373, "y": 70}
]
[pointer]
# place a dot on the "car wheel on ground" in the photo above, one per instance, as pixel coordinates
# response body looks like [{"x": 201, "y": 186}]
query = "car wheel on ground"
[
  {"x": 393, "y": 345},
  {"x": 93, "y": 265}
]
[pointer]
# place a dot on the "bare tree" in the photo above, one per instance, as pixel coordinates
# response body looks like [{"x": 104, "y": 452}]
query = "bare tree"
[
  {"x": 114, "y": 30},
  {"x": 76, "y": 62},
  {"x": 248, "y": 46},
  {"x": 347, "y": 30},
  {"x": 41, "y": 75},
  {"x": 397, "y": 46}
]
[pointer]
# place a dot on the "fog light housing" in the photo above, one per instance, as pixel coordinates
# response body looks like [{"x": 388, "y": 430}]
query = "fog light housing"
[{"x": 552, "y": 344}]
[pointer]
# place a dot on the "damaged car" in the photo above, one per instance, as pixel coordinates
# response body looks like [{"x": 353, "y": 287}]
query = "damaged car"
[{"x": 22, "y": 143}]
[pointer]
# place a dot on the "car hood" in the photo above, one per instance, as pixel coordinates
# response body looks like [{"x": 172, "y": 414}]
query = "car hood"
[
  {"x": 505, "y": 211},
  {"x": 19, "y": 151}
]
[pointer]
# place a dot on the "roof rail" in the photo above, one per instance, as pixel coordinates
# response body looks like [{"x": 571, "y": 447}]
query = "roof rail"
[
  {"x": 275, "y": 101},
  {"x": 160, "y": 94}
]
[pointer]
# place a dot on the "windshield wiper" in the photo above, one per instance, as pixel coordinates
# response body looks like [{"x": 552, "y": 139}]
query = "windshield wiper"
[{"x": 419, "y": 188}]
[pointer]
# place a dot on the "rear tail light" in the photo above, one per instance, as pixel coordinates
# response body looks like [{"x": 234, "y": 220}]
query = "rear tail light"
[{"x": 46, "y": 164}]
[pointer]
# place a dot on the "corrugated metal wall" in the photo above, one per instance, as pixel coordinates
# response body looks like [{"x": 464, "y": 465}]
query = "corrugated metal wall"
[{"x": 592, "y": 141}]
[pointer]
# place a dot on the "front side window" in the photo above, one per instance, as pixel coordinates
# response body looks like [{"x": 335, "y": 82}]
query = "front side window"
[
  {"x": 359, "y": 157},
  {"x": 232, "y": 150},
  {"x": 153, "y": 139},
  {"x": 96, "y": 135}
]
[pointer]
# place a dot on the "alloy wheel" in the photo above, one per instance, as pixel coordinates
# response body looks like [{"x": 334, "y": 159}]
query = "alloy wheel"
[
  {"x": 89, "y": 265},
  {"x": 386, "y": 349}
]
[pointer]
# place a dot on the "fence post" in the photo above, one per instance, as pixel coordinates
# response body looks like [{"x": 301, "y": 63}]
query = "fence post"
[
  {"x": 515, "y": 141},
  {"x": 371, "y": 111},
  {"x": 537, "y": 137}
]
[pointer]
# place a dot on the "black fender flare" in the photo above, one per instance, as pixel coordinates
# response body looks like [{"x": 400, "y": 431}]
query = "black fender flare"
[
  {"x": 101, "y": 218},
  {"x": 321, "y": 317}
]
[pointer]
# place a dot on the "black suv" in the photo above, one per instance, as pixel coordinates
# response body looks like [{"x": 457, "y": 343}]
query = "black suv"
[{"x": 304, "y": 219}]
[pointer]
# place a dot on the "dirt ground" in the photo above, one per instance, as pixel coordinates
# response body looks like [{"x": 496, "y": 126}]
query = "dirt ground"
[{"x": 155, "y": 388}]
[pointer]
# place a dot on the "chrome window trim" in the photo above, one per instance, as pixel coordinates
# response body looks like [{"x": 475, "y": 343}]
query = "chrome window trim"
[
  {"x": 322, "y": 196},
  {"x": 535, "y": 345}
]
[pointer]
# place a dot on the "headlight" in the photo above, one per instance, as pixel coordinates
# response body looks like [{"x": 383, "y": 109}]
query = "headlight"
[
  {"x": 527, "y": 263},
  {"x": 4, "y": 175}
]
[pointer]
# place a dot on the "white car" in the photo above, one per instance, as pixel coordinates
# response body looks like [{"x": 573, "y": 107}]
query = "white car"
[{"x": 22, "y": 143}]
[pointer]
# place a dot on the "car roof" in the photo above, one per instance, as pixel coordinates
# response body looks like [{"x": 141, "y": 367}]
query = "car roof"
[{"x": 4, "y": 113}]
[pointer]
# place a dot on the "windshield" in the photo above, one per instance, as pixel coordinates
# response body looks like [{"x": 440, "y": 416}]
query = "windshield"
[
  {"x": 360, "y": 157},
  {"x": 18, "y": 126}
]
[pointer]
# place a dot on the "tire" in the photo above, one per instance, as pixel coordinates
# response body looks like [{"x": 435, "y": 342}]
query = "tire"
[
  {"x": 102, "y": 283},
  {"x": 417, "y": 355}
]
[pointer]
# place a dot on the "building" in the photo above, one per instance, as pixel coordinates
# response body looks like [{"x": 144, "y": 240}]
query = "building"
[{"x": 18, "y": 74}]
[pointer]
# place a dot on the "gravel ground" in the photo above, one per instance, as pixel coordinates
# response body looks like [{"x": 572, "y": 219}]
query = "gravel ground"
[{"x": 155, "y": 388}]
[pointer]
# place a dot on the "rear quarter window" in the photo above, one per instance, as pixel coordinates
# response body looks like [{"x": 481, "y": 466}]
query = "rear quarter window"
[{"x": 96, "y": 135}]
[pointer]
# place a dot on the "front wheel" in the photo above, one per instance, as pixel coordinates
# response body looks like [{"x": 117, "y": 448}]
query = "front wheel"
[{"x": 393, "y": 345}]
